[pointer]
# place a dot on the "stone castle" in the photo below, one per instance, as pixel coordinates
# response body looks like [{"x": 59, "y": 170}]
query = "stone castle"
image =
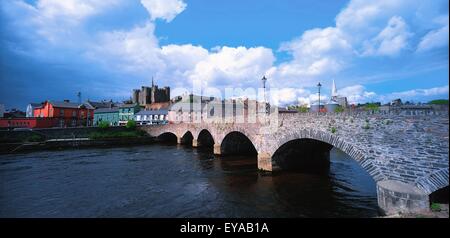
[{"x": 149, "y": 95}]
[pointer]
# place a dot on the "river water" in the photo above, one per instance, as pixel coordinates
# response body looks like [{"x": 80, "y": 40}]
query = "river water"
[{"x": 175, "y": 181}]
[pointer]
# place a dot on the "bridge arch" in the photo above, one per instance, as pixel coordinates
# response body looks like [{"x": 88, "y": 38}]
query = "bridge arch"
[
  {"x": 204, "y": 139},
  {"x": 332, "y": 140},
  {"x": 167, "y": 137},
  {"x": 237, "y": 142},
  {"x": 433, "y": 181},
  {"x": 186, "y": 138}
]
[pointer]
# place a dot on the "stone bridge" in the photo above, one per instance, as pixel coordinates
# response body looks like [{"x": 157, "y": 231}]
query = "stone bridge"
[{"x": 406, "y": 155}]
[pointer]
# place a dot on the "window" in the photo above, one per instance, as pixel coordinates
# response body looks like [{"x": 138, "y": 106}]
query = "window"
[
  {"x": 61, "y": 113},
  {"x": 74, "y": 113}
]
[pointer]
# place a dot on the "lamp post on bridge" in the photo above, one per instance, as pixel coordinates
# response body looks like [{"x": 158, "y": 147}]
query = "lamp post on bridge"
[
  {"x": 266, "y": 106},
  {"x": 319, "y": 85}
]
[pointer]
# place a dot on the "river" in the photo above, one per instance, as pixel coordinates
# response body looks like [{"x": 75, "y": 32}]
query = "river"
[{"x": 176, "y": 181}]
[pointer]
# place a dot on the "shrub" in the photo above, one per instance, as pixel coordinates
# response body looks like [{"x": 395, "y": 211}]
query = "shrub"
[
  {"x": 435, "y": 207},
  {"x": 333, "y": 130},
  {"x": 131, "y": 125},
  {"x": 339, "y": 109},
  {"x": 34, "y": 138},
  {"x": 371, "y": 107},
  {"x": 366, "y": 126},
  {"x": 439, "y": 102},
  {"x": 103, "y": 125},
  {"x": 303, "y": 109}
]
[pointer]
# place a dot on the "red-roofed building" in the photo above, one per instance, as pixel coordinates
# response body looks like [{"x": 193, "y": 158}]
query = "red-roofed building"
[{"x": 67, "y": 114}]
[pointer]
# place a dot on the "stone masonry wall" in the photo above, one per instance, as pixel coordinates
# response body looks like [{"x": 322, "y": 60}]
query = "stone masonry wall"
[{"x": 411, "y": 149}]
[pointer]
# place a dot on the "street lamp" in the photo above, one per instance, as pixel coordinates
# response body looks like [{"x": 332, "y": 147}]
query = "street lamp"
[
  {"x": 319, "y": 85},
  {"x": 264, "y": 80}
]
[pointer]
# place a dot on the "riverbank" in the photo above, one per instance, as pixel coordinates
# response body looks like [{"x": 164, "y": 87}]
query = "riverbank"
[
  {"x": 61, "y": 144},
  {"x": 67, "y": 138}
]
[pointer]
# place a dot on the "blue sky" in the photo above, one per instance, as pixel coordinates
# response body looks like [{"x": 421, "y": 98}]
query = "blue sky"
[{"x": 374, "y": 50}]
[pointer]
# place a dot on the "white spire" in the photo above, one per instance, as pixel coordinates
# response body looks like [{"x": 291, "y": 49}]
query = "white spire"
[{"x": 333, "y": 90}]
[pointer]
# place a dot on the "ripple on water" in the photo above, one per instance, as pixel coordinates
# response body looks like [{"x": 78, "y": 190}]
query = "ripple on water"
[
  {"x": 170, "y": 181},
  {"x": 16, "y": 168}
]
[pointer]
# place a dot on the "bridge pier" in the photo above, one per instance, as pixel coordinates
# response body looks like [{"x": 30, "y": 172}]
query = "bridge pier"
[
  {"x": 397, "y": 197},
  {"x": 179, "y": 140},
  {"x": 194, "y": 143},
  {"x": 217, "y": 149},
  {"x": 264, "y": 161}
]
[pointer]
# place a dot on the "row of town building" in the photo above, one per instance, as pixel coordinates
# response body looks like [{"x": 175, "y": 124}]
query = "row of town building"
[{"x": 149, "y": 107}]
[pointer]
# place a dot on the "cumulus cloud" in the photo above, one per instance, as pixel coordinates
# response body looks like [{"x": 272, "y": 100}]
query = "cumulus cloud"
[
  {"x": 315, "y": 53},
  {"x": 363, "y": 28},
  {"x": 238, "y": 66},
  {"x": 136, "y": 50},
  {"x": 164, "y": 9},
  {"x": 357, "y": 94},
  {"x": 435, "y": 38},
  {"x": 391, "y": 40},
  {"x": 436, "y": 91}
]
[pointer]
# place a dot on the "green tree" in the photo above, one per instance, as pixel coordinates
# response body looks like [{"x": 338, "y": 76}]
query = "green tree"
[
  {"x": 131, "y": 125},
  {"x": 371, "y": 107},
  {"x": 103, "y": 125},
  {"x": 339, "y": 109},
  {"x": 439, "y": 102}
]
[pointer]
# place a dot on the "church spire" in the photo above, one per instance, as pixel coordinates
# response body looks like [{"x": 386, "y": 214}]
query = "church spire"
[
  {"x": 333, "y": 90},
  {"x": 153, "y": 83}
]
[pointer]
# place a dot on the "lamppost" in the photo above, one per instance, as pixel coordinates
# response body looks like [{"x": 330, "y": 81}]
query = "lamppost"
[
  {"x": 264, "y": 80},
  {"x": 319, "y": 85}
]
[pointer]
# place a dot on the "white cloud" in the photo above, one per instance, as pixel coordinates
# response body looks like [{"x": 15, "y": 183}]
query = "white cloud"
[
  {"x": 363, "y": 28},
  {"x": 391, "y": 40},
  {"x": 287, "y": 96},
  {"x": 435, "y": 38},
  {"x": 134, "y": 51},
  {"x": 138, "y": 51},
  {"x": 164, "y": 9},
  {"x": 183, "y": 57},
  {"x": 357, "y": 94},
  {"x": 229, "y": 66},
  {"x": 437, "y": 91},
  {"x": 74, "y": 10},
  {"x": 55, "y": 20}
]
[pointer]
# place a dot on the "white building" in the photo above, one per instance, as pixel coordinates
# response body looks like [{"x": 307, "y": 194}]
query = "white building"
[
  {"x": 31, "y": 107},
  {"x": 150, "y": 117},
  {"x": 336, "y": 99}
]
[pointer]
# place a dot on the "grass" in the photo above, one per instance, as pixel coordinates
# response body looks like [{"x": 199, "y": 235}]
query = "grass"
[
  {"x": 116, "y": 134},
  {"x": 435, "y": 207}
]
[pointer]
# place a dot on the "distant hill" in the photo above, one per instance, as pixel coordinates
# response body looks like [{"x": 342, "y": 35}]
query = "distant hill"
[{"x": 439, "y": 102}]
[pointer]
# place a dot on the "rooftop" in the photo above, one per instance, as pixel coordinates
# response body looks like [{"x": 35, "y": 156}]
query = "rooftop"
[{"x": 152, "y": 112}]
